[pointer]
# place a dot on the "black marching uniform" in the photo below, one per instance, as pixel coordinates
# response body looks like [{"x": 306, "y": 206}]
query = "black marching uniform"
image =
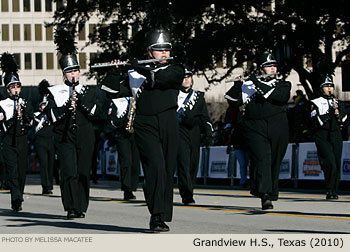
[
  {"x": 15, "y": 146},
  {"x": 156, "y": 127},
  {"x": 193, "y": 117},
  {"x": 74, "y": 145},
  {"x": 128, "y": 155},
  {"x": 3, "y": 180},
  {"x": 328, "y": 139},
  {"x": 45, "y": 149},
  {"x": 265, "y": 129}
]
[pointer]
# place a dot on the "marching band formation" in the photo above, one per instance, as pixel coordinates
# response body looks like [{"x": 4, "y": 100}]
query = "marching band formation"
[{"x": 156, "y": 117}]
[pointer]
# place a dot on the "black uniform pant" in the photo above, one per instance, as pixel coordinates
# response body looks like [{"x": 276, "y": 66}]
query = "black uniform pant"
[
  {"x": 46, "y": 153},
  {"x": 157, "y": 140},
  {"x": 74, "y": 159},
  {"x": 329, "y": 149},
  {"x": 187, "y": 161},
  {"x": 129, "y": 161},
  {"x": 3, "y": 180},
  {"x": 266, "y": 142},
  {"x": 15, "y": 158}
]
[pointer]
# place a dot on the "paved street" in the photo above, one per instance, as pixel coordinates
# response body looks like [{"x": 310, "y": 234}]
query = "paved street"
[{"x": 217, "y": 211}]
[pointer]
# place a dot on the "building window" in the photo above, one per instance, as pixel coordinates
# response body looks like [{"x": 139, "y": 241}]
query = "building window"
[
  {"x": 4, "y": 5},
  {"x": 38, "y": 32},
  {"x": 91, "y": 28},
  {"x": 37, "y": 5},
  {"x": 82, "y": 60},
  {"x": 59, "y": 55},
  {"x": 27, "y": 61},
  {"x": 49, "y": 60},
  {"x": 48, "y": 5},
  {"x": 27, "y": 32},
  {"x": 5, "y": 32},
  {"x": 49, "y": 33},
  {"x": 17, "y": 57},
  {"x": 26, "y": 5},
  {"x": 16, "y": 32},
  {"x": 15, "y": 5},
  {"x": 39, "y": 61},
  {"x": 93, "y": 56},
  {"x": 81, "y": 32}
]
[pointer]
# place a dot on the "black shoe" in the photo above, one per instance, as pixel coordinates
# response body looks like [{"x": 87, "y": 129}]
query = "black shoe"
[
  {"x": 157, "y": 225},
  {"x": 331, "y": 196},
  {"x": 188, "y": 201},
  {"x": 16, "y": 205},
  {"x": 79, "y": 214},
  {"x": 266, "y": 202},
  {"x": 71, "y": 215},
  {"x": 128, "y": 195},
  {"x": 47, "y": 192}
]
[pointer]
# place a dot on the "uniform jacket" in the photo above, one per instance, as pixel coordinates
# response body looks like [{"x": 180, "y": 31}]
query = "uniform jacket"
[
  {"x": 59, "y": 103},
  {"x": 322, "y": 111},
  {"x": 155, "y": 87},
  {"x": 11, "y": 125},
  {"x": 193, "y": 113},
  {"x": 260, "y": 99},
  {"x": 118, "y": 115}
]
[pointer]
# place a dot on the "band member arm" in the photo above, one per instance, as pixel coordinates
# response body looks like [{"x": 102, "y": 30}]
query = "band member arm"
[
  {"x": 27, "y": 114},
  {"x": 88, "y": 102},
  {"x": 111, "y": 83},
  {"x": 114, "y": 120},
  {"x": 55, "y": 113},
  {"x": 260, "y": 87},
  {"x": 234, "y": 95},
  {"x": 281, "y": 93},
  {"x": 206, "y": 123},
  {"x": 170, "y": 77},
  {"x": 143, "y": 70}
]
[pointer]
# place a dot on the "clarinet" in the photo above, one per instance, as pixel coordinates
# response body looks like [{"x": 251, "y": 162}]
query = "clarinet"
[
  {"x": 131, "y": 116},
  {"x": 16, "y": 118},
  {"x": 74, "y": 110}
]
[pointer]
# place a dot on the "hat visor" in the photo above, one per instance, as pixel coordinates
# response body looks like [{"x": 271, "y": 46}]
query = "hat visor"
[
  {"x": 270, "y": 64},
  {"x": 71, "y": 68},
  {"x": 13, "y": 83},
  {"x": 328, "y": 84},
  {"x": 160, "y": 47}
]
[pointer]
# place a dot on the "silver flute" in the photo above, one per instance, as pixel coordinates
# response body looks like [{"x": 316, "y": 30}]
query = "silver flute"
[
  {"x": 124, "y": 63},
  {"x": 238, "y": 78}
]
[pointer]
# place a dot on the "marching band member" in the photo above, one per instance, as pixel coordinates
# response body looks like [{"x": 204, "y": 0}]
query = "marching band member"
[
  {"x": 155, "y": 88},
  {"x": 16, "y": 116},
  {"x": 329, "y": 116},
  {"x": 264, "y": 126},
  {"x": 193, "y": 118},
  {"x": 120, "y": 115},
  {"x": 71, "y": 108},
  {"x": 44, "y": 141}
]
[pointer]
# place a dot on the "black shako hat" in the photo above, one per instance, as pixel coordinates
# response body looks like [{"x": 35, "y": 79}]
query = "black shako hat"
[
  {"x": 158, "y": 39},
  {"x": 64, "y": 40},
  {"x": 327, "y": 81},
  {"x": 266, "y": 59}
]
